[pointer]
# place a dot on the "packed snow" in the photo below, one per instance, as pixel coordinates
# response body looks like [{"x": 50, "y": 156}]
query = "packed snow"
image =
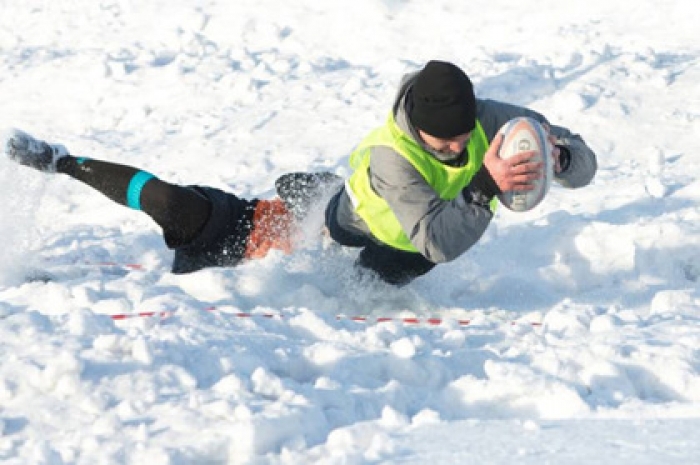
[{"x": 569, "y": 335}]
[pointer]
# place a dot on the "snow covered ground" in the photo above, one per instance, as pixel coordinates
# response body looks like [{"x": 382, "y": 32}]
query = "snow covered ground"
[{"x": 583, "y": 342}]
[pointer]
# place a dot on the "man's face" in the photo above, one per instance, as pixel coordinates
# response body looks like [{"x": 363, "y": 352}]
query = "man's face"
[{"x": 452, "y": 146}]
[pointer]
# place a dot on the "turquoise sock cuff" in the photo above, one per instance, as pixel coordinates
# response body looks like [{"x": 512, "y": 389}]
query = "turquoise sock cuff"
[{"x": 133, "y": 192}]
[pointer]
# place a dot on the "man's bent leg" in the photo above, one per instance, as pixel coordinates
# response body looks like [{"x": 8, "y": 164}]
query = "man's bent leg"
[{"x": 393, "y": 266}]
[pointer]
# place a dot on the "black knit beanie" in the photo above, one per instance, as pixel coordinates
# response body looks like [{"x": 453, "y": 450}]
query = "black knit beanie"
[{"x": 444, "y": 104}]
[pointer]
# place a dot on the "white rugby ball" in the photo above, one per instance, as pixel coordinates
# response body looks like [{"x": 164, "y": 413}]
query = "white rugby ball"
[{"x": 525, "y": 134}]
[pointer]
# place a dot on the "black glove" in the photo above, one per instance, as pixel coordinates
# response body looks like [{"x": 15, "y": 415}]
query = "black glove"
[{"x": 482, "y": 188}]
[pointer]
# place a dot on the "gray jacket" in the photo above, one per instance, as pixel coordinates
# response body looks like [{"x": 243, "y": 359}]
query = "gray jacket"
[{"x": 440, "y": 229}]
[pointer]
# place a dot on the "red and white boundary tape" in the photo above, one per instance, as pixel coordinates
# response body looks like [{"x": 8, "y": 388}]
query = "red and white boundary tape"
[
  {"x": 360, "y": 319},
  {"x": 129, "y": 266},
  {"x": 414, "y": 321}
]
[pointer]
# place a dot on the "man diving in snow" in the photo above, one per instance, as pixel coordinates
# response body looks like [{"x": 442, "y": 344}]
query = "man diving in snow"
[{"x": 420, "y": 193}]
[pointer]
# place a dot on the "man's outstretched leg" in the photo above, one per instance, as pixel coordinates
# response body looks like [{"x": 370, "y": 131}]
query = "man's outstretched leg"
[
  {"x": 205, "y": 226},
  {"x": 180, "y": 211}
]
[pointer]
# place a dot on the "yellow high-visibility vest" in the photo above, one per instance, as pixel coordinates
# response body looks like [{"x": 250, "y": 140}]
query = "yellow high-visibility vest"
[{"x": 447, "y": 181}]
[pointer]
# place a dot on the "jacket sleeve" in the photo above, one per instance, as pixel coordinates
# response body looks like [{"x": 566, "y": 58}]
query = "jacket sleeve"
[
  {"x": 578, "y": 160},
  {"x": 440, "y": 229}
]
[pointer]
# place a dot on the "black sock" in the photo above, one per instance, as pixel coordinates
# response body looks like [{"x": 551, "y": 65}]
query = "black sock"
[{"x": 180, "y": 211}]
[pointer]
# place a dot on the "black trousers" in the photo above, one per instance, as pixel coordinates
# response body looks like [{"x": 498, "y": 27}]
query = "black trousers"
[{"x": 393, "y": 266}]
